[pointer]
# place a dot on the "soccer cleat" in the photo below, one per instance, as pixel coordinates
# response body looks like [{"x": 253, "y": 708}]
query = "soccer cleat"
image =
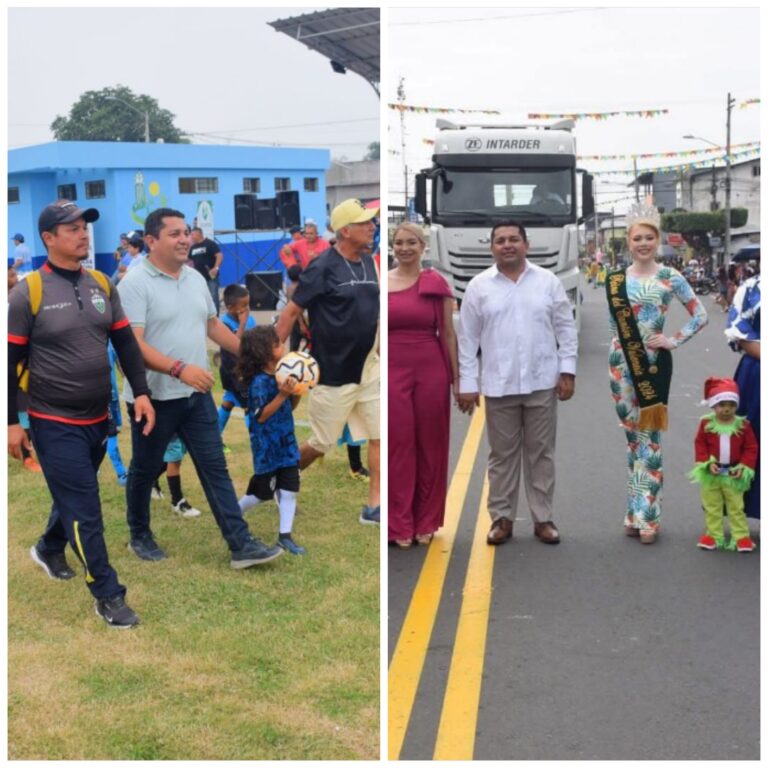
[
  {"x": 370, "y": 516},
  {"x": 254, "y": 552},
  {"x": 116, "y": 613},
  {"x": 185, "y": 509},
  {"x": 285, "y": 541},
  {"x": 707, "y": 542},
  {"x": 146, "y": 548},
  {"x": 55, "y": 564},
  {"x": 359, "y": 474},
  {"x": 32, "y": 465},
  {"x": 745, "y": 545},
  {"x": 157, "y": 493}
]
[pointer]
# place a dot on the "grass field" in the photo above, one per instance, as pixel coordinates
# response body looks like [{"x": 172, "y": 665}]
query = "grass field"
[{"x": 275, "y": 662}]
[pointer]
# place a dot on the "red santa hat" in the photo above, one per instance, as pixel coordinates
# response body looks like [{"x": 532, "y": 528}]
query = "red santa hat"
[{"x": 720, "y": 391}]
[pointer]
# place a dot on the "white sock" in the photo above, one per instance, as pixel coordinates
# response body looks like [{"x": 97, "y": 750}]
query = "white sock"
[
  {"x": 286, "y": 502},
  {"x": 248, "y": 501}
]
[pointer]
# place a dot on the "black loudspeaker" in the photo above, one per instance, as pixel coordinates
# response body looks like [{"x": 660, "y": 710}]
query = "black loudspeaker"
[
  {"x": 244, "y": 211},
  {"x": 264, "y": 288},
  {"x": 287, "y": 205},
  {"x": 266, "y": 216}
]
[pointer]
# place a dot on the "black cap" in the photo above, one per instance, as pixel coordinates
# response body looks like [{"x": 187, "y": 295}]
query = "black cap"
[{"x": 63, "y": 212}]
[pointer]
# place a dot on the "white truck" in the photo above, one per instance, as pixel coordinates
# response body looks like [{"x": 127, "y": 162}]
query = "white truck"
[{"x": 483, "y": 174}]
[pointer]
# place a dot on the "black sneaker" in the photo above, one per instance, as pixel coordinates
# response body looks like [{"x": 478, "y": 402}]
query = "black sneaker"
[
  {"x": 254, "y": 552},
  {"x": 55, "y": 565},
  {"x": 360, "y": 474},
  {"x": 285, "y": 540},
  {"x": 116, "y": 613},
  {"x": 146, "y": 548},
  {"x": 371, "y": 516}
]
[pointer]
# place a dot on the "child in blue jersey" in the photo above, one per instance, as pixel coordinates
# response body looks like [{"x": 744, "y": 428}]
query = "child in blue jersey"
[
  {"x": 238, "y": 319},
  {"x": 273, "y": 442}
]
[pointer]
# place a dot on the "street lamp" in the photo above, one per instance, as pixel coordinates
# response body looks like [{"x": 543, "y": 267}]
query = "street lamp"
[
  {"x": 135, "y": 109},
  {"x": 713, "y": 206}
]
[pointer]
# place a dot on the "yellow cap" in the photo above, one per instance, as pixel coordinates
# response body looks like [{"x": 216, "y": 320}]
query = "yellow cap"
[{"x": 351, "y": 211}]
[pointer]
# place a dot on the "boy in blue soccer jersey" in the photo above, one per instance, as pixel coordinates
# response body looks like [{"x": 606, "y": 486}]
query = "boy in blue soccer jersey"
[
  {"x": 238, "y": 319},
  {"x": 273, "y": 441}
]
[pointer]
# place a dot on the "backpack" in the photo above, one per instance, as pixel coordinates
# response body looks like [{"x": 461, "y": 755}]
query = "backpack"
[{"x": 35, "y": 283}]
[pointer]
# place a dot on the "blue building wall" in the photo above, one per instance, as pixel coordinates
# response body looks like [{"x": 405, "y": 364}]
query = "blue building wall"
[{"x": 142, "y": 177}]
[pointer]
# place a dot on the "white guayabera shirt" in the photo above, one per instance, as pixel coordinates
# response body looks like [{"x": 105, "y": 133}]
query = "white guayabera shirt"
[{"x": 524, "y": 330}]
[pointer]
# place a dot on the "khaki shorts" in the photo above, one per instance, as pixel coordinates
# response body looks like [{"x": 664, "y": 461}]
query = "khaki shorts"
[{"x": 330, "y": 408}]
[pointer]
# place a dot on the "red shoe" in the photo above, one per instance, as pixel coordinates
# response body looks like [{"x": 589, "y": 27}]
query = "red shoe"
[
  {"x": 706, "y": 542},
  {"x": 745, "y": 545},
  {"x": 32, "y": 465}
]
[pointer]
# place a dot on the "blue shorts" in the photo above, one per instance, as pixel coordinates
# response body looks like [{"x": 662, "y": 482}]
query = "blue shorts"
[
  {"x": 232, "y": 397},
  {"x": 176, "y": 450}
]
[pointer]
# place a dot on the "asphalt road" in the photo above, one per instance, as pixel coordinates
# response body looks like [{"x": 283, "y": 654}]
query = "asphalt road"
[{"x": 601, "y": 648}]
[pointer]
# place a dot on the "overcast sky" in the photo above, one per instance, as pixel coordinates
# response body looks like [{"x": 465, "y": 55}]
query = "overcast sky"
[
  {"x": 221, "y": 71},
  {"x": 520, "y": 60}
]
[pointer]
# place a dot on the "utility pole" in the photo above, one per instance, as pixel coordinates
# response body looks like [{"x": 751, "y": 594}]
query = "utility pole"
[
  {"x": 401, "y": 99},
  {"x": 727, "y": 249},
  {"x": 637, "y": 182}
]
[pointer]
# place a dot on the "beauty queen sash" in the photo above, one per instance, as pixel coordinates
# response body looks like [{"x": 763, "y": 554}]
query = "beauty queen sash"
[{"x": 650, "y": 380}]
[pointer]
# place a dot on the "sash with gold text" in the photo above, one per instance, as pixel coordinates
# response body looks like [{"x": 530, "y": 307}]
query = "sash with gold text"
[{"x": 650, "y": 380}]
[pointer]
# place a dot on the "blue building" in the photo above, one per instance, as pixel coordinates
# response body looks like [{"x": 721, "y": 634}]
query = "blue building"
[{"x": 127, "y": 181}]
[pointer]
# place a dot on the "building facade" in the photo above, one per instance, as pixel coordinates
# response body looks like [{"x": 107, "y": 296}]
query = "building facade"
[{"x": 127, "y": 181}]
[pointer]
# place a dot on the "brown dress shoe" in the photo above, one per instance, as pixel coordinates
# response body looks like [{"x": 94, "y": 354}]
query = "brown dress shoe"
[
  {"x": 546, "y": 532},
  {"x": 501, "y": 531}
]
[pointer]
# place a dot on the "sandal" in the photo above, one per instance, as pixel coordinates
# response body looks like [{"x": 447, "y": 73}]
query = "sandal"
[
  {"x": 424, "y": 539},
  {"x": 403, "y": 543}
]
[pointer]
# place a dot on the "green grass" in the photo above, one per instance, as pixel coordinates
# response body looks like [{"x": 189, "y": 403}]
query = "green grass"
[{"x": 275, "y": 662}]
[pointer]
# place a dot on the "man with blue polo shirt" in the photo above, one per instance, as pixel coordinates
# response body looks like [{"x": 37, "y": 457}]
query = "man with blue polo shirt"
[{"x": 172, "y": 315}]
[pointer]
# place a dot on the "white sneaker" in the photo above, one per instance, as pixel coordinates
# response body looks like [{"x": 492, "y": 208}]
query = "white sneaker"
[
  {"x": 185, "y": 509},
  {"x": 157, "y": 494}
]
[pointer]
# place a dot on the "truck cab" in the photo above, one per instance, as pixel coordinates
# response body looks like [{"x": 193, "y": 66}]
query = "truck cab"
[{"x": 485, "y": 174}]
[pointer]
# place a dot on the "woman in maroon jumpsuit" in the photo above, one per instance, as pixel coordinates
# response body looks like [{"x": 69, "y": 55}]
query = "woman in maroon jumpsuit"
[{"x": 423, "y": 369}]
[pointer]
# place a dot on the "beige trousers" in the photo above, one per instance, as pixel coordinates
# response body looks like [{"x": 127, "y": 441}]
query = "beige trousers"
[{"x": 521, "y": 433}]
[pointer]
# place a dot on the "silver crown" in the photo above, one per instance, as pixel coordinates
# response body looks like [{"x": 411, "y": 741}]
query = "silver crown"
[{"x": 643, "y": 213}]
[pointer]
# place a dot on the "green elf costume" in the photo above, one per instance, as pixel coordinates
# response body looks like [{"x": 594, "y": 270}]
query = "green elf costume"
[{"x": 726, "y": 457}]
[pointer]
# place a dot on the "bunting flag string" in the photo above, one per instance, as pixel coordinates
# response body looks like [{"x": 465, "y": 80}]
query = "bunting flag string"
[
  {"x": 440, "y": 110},
  {"x": 681, "y": 167},
  {"x": 596, "y": 115},
  {"x": 649, "y": 155},
  {"x": 748, "y": 103}
]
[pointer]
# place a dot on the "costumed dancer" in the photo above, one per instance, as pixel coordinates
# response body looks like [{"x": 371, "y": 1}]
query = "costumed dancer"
[
  {"x": 726, "y": 456},
  {"x": 640, "y": 361},
  {"x": 743, "y": 334}
]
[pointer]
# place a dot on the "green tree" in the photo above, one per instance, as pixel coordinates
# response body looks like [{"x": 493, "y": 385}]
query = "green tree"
[
  {"x": 104, "y": 116},
  {"x": 374, "y": 151},
  {"x": 696, "y": 227}
]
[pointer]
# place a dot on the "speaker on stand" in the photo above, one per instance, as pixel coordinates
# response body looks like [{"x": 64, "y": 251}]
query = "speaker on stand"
[
  {"x": 265, "y": 213},
  {"x": 244, "y": 211},
  {"x": 287, "y": 206},
  {"x": 264, "y": 288}
]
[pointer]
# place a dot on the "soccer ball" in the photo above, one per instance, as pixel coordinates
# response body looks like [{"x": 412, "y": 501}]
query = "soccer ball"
[{"x": 302, "y": 367}]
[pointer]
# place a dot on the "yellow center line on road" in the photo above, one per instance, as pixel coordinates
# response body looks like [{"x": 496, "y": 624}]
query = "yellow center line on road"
[
  {"x": 413, "y": 642},
  {"x": 458, "y": 721}
]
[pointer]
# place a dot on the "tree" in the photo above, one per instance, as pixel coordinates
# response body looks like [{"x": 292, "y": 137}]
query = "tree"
[
  {"x": 696, "y": 228},
  {"x": 99, "y": 116},
  {"x": 374, "y": 151}
]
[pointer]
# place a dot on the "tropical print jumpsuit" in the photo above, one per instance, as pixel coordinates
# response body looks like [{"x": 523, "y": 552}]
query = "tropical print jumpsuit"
[{"x": 650, "y": 298}]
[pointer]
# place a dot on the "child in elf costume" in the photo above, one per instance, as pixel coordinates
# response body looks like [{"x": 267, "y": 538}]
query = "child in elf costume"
[{"x": 726, "y": 457}]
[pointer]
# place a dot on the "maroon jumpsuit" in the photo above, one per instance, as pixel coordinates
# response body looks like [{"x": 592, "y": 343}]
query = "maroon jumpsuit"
[{"x": 419, "y": 408}]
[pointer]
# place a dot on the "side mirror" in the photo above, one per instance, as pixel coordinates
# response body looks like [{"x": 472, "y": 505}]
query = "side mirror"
[
  {"x": 420, "y": 200},
  {"x": 587, "y": 196}
]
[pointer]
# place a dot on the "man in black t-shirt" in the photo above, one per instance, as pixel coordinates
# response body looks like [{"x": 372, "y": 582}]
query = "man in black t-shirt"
[
  {"x": 206, "y": 256},
  {"x": 340, "y": 291}
]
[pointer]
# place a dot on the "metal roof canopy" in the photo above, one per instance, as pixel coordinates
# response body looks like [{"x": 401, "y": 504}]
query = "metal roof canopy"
[{"x": 349, "y": 37}]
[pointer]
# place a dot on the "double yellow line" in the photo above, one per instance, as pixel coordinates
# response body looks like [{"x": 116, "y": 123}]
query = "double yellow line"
[{"x": 456, "y": 734}]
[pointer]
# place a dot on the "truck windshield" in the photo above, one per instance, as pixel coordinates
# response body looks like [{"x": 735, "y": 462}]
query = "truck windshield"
[{"x": 538, "y": 196}]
